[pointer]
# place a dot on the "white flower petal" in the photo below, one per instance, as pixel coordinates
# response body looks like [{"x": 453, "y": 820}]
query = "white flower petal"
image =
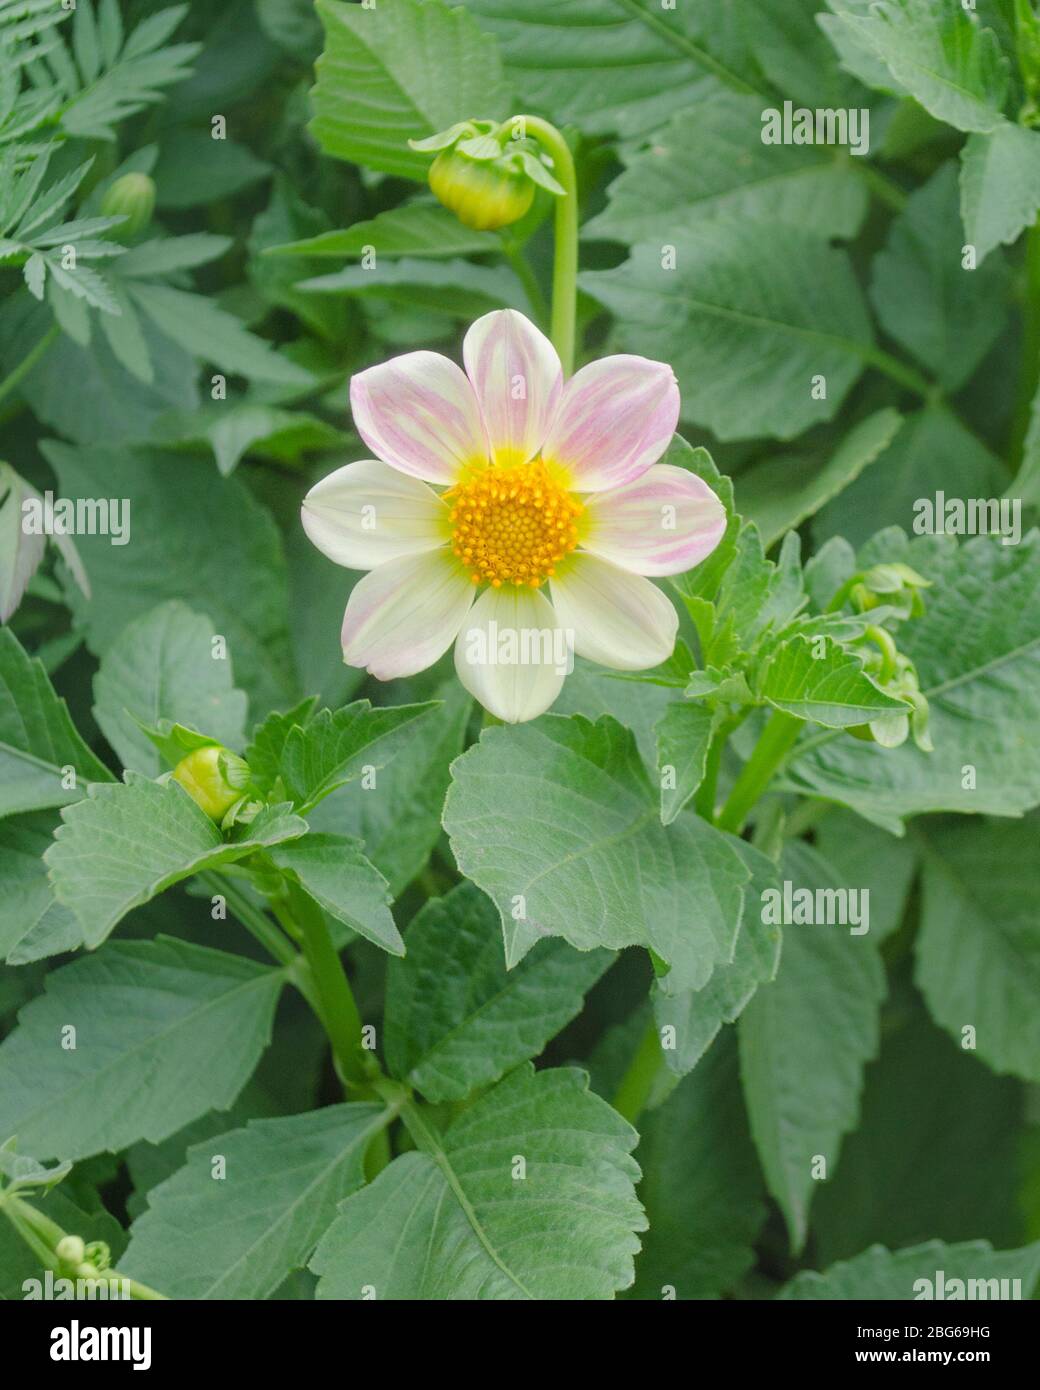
[
  {"x": 517, "y": 377},
  {"x": 617, "y": 618},
  {"x": 404, "y": 615},
  {"x": 367, "y": 513},
  {"x": 665, "y": 522},
  {"x": 419, "y": 414},
  {"x": 511, "y": 653},
  {"x": 615, "y": 418}
]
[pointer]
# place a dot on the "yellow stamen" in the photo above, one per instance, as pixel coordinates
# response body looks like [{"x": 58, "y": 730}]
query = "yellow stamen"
[{"x": 512, "y": 525}]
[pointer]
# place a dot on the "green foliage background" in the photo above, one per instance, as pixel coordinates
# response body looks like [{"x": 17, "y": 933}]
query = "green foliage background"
[{"x": 790, "y": 262}]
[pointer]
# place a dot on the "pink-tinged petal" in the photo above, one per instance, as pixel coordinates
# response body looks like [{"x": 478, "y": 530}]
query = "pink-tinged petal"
[
  {"x": 665, "y": 522},
  {"x": 617, "y": 618},
  {"x": 517, "y": 377},
  {"x": 404, "y": 615},
  {"x": 511, "y": 653},
  {"x": 367, "y": 513},
  {"x": 419, "y": 414},
  {"x": 616, "y": 417}
]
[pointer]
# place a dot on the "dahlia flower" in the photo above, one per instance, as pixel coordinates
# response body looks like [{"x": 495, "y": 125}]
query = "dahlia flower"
[{"x": 512, "y": 513}]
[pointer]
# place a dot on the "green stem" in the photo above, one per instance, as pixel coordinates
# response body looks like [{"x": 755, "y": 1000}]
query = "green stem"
[
  {"x": 898, "y": 371},
  {"x": 774, "y": 744},
  {"x": 884, "y": 189},
  {"x": 637, "y": 1083},
  {"x": 25, "y": 366},
  {"x": 339, "y": 1013},
  {"x": 255, "y": 921},
  {"x": 704, "y": 799},
  {"x": 1029, "y": 377},
  {"x": 525, "y": 274},
  {"x": 565, "y": 251}
]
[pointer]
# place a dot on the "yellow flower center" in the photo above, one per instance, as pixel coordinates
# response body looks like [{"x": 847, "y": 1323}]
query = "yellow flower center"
[{"x": 512, "y": 525}]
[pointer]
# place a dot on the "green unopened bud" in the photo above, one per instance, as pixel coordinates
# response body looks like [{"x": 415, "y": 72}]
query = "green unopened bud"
[
  {"x": 132, "y": 197},
  {"x": 214, "y": 778},
  {"x": 483, "y": 194},
  {"x": 70, "y": 1250},
  {"x": 97, "y": 1255}
]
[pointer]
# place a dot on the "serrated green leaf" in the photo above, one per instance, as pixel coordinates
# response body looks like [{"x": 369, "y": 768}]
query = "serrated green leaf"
[
  {"x": 880, "y": 1274},
  {"x": 710, "y": 160},
  {"x": 414, "y": 229},
  {"x": 336, "y": 873},
  {"x": 558, "y": 822},
  {"x": 454, "y": 1222},
  {"x": 817, "y": 680},
  {"x": 391, "y": 73},
  {"x": 749, "y": 316},
  {"x": 1000, "y": 186},
  {"x": 683, "y": 735},
  {"x": 192, "y": 1020},
  {"x": 34, "y": 924},
  {"x": 337, "y": 747},
  {"x": 240, "y": 1237},
  {"x": 37, "y": 738},
  {"x": 164, "y": 666},
  {"x": 456, "y": 1019}
]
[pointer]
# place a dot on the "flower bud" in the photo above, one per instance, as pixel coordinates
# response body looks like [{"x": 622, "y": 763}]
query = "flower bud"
[
  {"x": 70, "y": 1250},
  {"x": 482, "y": 193},
  {"x": 132, "y": 197},
  {"x": 214, "y": 778}
]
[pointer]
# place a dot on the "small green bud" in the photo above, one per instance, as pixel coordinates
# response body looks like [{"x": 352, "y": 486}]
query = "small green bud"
[
  {"x": 483, "y": 194},
  {"x": 70, "y": 1250},
  {"x": 132, "y": 197},
  {"x": 214, "y": 778}
]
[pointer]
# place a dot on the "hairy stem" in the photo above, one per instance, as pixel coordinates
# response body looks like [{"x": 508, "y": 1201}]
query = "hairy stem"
[
  {"x": 565, "y": 251},
  {"x": 636, "y": 1085}
]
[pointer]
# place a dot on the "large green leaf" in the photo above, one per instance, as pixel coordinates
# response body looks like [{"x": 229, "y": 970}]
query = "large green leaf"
[
  {"x": 126, "y": 842},
  {"x": 863, "y": 853},
  {"x": 617, "y": 65},
  {"x": 824, "y": 684},
  {"x": 37, "y": 738},
  {"x": 751, "y": 316},
  {"x": 946, "y": 315},
  {"x": 560, "y": 825},
  {"x": 701, "y": 1186},
  {"x": 400, "y": 71},
  {"x": 978, "y": 951},
  {"x": 413, "y": 229},
  {"x": 880, "y": 1274},
  {"x": 709, "y": 160},
  {"x": 976, "y": 649},
  {"x": 456, "y": 1019},
  {"x": 1000, "y": 186},
  {"x": 165, "y": 665},
  {"x": 164, "y": 1031},
  {"x": 529, "y": 1194},
  {"x": 940, "y": 54},
  {"x": 804, "y": 1040},
  {"x": 196, "y": 537},
  {"x": 238, "y": 1235}
]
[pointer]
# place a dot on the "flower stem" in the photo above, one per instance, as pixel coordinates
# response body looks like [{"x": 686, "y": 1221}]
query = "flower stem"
[
  {"x": 776, "y": 741},
  {"x": 339, "y": 1013},
  {"x": 25, "y": 366},
  {"x": 42, "y": 1235},
  {"x": 565, "y": 252},
  {"x": 636, "y": 1085}
]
